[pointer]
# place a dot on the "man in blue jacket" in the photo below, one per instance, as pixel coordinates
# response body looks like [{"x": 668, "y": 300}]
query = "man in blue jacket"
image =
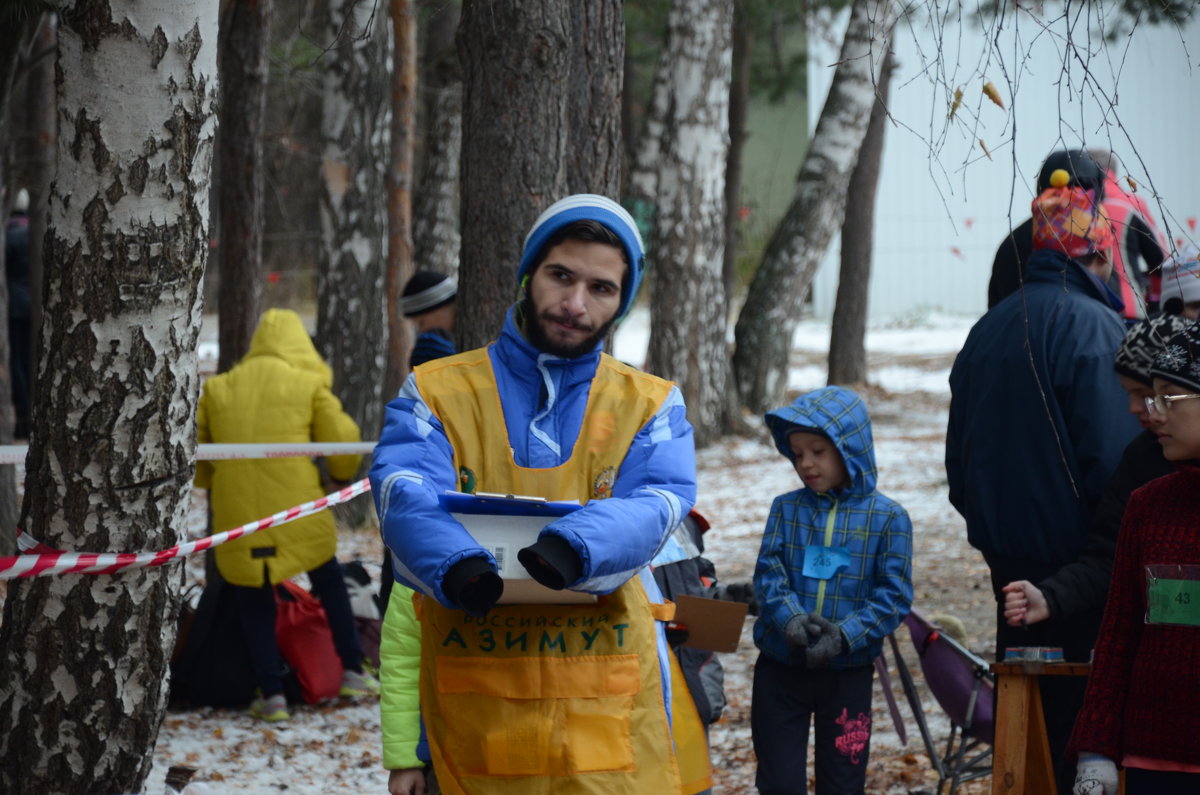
[
  {"x": 542, "y": 411},
  {"x": 1038, "y": 423}
]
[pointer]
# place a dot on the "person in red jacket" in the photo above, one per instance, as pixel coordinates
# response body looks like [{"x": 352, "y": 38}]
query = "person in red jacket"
[{"x": 1143, "y": 693}]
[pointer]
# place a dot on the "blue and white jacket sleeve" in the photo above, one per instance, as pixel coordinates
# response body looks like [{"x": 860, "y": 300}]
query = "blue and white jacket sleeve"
[
  {"x": 414, "y": 463},
  {"x": 654, "y": 490}
]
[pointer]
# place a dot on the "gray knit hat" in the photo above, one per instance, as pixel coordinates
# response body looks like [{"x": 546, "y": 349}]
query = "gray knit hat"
[
  {"x": 1145, "y": 340},
  {"x": 1179, "y": 361}
]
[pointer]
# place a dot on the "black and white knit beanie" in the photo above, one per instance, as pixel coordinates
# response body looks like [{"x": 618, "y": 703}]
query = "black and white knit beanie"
[
  {"x": 1144, "y": 341},
  {"x": 1179, "y": 361},
  {"x": 426, "y": 291}
]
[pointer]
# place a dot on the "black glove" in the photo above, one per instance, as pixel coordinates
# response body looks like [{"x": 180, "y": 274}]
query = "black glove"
[
  {"x": 825, "y": 641},
  {"x": 676, "y": 635},
  {"x": 473, "y": 585},
  {"x": 738, "y": 592},
  {"x": 552, "y": 561},
  {"x": 796, "y": 631}
]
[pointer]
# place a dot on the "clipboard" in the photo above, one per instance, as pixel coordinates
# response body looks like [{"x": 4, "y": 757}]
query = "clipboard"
[
  {"x": 503, "y": 524},
  {"x": 712, "y": 624}
]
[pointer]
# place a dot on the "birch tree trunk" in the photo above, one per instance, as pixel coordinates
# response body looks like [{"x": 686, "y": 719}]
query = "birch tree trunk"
[
  {"x": 642, "y": 184},
  {"x": 351, "y": 288},
  {"x": 436, "y": 236},
  {"x": 688, "y": 311},
  {"x": 848, "y": 331},
  {"x": 83, "y": 659},
  {"x": 242, "y": 54},
  {"x": 399, "y": 196},
  {"x": 772, "y": 309},
  {"x": 516, "y": 57}
]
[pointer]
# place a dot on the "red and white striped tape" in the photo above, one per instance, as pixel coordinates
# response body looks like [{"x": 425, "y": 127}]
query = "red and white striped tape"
[
  {"x": 40, "y": 560},
  {"x": 15, "y": 453}
]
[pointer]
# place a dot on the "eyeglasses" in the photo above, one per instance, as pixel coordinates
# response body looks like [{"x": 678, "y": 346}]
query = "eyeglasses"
[{"x": 1160, "y": 403}]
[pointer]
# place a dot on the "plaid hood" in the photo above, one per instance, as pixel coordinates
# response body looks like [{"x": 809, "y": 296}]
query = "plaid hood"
[{"x": 842, "y": 416}]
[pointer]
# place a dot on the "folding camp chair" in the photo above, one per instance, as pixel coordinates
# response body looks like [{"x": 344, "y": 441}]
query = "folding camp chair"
[{"x": 964, "y": 688}]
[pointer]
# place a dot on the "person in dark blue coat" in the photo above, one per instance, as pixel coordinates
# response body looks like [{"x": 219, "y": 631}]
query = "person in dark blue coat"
[{"x": 1038, "y": 422}]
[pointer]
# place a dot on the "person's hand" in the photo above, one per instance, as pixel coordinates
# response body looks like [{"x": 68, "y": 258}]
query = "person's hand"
[
  {"x": 796, "y": 632},
  {"x": 825, "y": 641},
  {"x": 738, "y": 592},
  {"x": 1095, "y": 775},
  {"x": 1024, "y": 604}
]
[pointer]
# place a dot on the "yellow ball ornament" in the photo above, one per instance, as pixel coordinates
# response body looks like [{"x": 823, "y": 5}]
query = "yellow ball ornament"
[{"x": 1059, "y": 178}]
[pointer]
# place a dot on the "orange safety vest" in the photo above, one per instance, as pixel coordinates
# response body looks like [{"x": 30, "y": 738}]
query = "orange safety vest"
[{"x": 541, "y": 699}]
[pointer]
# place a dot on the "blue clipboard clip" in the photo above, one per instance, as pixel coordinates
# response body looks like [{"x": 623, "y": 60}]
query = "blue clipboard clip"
[{"x": 500, "y": 504}]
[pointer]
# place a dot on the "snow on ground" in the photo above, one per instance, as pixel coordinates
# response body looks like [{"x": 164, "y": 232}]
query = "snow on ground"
[{"x": 335, "y": 748}]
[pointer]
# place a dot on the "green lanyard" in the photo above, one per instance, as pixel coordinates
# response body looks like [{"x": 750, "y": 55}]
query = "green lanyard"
[{"x": 828, "y": 541}]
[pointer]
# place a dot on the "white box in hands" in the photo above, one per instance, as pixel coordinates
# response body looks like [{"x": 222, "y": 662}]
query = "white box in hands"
[{"x": 504, "y": 524}]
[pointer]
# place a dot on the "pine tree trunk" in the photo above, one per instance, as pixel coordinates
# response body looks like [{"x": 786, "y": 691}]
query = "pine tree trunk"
[
  {"x": 242, "y": 54},
  {"x": 516, "y": 57},
  {"x": 399, "y": 204},
  {"x": 739, "y": 99},
  {"x": 688, "y": 312},
  {"x": 594, "y": 113},
  {"x": 351, "y": 294},
  {"x": 83, "y": 659},
  {"x": 772, "y": 309},
  {"x": 292, "y": 239},
  {"x": 436, "y": 237},
  {"x": 847, "y": 337}
]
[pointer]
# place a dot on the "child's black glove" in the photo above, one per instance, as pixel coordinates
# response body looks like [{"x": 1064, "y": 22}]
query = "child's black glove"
[
  {"x": 825, "y": 641},
  {"x": 796, "y": 631}
]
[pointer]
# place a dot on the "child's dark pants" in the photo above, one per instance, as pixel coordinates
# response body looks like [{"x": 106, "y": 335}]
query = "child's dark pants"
[{"x": 786, "y": 699}]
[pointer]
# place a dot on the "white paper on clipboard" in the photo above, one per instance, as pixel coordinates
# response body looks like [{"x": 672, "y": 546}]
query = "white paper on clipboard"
[{"x": 504, "y": 524}]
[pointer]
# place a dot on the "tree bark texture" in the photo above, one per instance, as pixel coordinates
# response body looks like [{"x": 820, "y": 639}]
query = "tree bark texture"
[
  {"x": 292, "y": 149},
  {"x": 516, "y": 57},
  {"x": 739, "y": 100},
  {"x": 688, "y": 311},
  {"x": 642, "y": 184},
  {"x": 594, "y": 113},
  {"x": 848, "y": 331},
  {"x": 83, "y": 659},
  {"x": 436, "y": 235},
  {"x": 351, "y": 289},
  {"x": 772, "y": 309},
  {"x": 242, "y": 61},
  {"x": 400, "y": 180}
]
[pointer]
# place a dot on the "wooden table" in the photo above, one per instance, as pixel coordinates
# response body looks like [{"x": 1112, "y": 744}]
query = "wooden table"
[{"x": 1021, "y": 754}]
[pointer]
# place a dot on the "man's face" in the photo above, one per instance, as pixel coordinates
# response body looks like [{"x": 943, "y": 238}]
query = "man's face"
[
  {"x": 573, "y": 297},
  {"x": 1138, "y": 392}
]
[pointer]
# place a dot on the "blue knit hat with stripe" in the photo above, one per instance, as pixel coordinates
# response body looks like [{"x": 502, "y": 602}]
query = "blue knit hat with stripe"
[{"x": 589, "y": 207}]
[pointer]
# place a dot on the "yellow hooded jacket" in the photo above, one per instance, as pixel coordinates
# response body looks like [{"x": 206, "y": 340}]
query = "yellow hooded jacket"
[{"x": 279, "y": 392}]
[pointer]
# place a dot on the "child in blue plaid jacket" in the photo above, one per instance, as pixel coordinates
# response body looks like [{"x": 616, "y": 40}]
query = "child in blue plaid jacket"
[{"x": 833, "y": 579}]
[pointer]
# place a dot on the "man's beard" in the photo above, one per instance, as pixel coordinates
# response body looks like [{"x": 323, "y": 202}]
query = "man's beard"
[{"x": 538, "y": 337}]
